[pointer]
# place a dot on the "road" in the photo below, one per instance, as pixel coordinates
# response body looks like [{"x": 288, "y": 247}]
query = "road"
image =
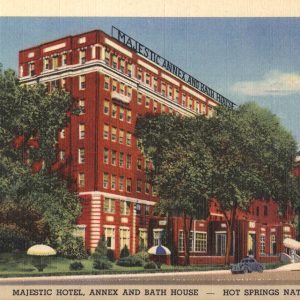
[{"x": 271, "y": 277}]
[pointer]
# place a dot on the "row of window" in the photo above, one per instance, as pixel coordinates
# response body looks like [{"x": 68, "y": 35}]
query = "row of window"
[
  {"x": 117, "y": 134},
  {"x": 125, "y": 206},
  {"x": 197, "y": 241},
  {"x": 273, "y": 244},
  {"x": 117, "y": 183},
  {"x": 117, "y": 112},
  {"x": 118, "y": 158}
]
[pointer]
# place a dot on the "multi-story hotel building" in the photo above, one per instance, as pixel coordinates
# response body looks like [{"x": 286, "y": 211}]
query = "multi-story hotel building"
[{"x": 114, "y": 83}]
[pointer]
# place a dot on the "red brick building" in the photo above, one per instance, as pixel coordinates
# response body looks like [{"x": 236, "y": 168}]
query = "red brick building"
[{"x": 114, "y": 84}]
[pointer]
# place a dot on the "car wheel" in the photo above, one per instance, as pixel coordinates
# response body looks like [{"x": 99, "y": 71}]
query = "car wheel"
[{"x": 245, "y": 270}]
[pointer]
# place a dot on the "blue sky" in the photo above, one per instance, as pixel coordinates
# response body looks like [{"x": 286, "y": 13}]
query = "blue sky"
[{"x": 244, "y": 59}]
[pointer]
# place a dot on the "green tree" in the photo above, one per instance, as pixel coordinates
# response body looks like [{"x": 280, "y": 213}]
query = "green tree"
[
  {"x": 253, "y": 158},
  {"x": 182, "y": 166},
  {"x": 100, "y": 255},
  {"x": 29, "y": 125}
]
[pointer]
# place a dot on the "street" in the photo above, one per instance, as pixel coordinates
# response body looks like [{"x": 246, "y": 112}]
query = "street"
[{"x": 271, "y": 277}]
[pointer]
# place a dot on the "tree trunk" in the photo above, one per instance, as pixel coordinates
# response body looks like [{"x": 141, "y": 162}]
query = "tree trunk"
[
  {"x": 230, "y": 227},
  {"x": 186, "y": 238}
]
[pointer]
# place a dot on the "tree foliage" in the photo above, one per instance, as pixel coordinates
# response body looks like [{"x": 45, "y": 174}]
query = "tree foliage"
[
  {"x": 182, "y": 165},
  {"x": 29, "y": 125}
]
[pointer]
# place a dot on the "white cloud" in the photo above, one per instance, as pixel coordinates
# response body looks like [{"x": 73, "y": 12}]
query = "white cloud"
[{"x": 273, "y": 83}]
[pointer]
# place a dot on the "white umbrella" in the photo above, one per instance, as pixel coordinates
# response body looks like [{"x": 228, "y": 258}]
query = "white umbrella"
[
  {"x": 159, "y": 250},
  {"x": 41, "y": 250}
]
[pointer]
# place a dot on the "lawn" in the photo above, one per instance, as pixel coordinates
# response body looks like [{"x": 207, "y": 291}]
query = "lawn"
[{"x": 19, "y": 265}]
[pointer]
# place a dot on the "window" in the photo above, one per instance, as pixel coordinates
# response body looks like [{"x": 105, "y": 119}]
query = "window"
[
  {"x": 62, "y": 133},
  {"x": 128, "y": 116},
  {"x": 147, "y": 210},
  {"x": 46, "y": 64},
  {"x": 191, "y": 241},
  {"x": 183, "y": 100},
  {"x": 163, "y": 108},
  {"x": 82, "y": 56},
  {"x": 265, "y": 210},
  {"x": 113, "y": 182},
  {"x": 143, "y": 239},
  {"x": 139, "y": 186},
  {"x": 181, "y": 241},
  {"x": 81, "y": 180},
  {"x": 64, "y": 59},
  {"x": 63, "y": 83},
  {"x": 113, "y": 157},
  {"x": 155, "y": 84},
  {"x": 121, "y": 114},
  {"x": 129, "y": 91},
  {"x": 106, "y": 82},
  {"x": 129, "y": 69},
  {"x": 128, "y": 139},
  {"x": 138, "y": 208},
  {"x": 124, "y": 238},
  {"x": 163, "y": 89},
  {"x": 113, "y": 134},
  {"x": 107, "y": 57},
  {"x": 122, "y": 65},
  {"x": 121, "y": 159},
  {"x": 54, "y": 85},
  {"x": 105, "y": 131},
  {"x": 154, "y": 190},
  {"x": 170, "y": 90},
  {"x": 114, "y": 61},
  {"x": 190, "y": 103},
  {"x": 81, "y": 131},
  {"x": 105, "y": 180},
  {"x": 139, "y": 164},
  {"x": 105, "y": 156},
  {"x": 81, "y": 155},
  {"x": 81, "y": 105},
  {"x": 55, "y": 62},
  {"x": 31, "y": 67},
  {"x": 128, "y": 161},
  {"x": 200, "y": 242},
  {"x": 121, "y": 136},
  {"x": 220, "y": 244},
  {"x": 273, "y": 244},
  {"x": 82, "y": 82},
  {"x": 157, "y": 233},
  {"x": 155, "y": 106},
  {"x": 121, "y": 183},
  {"x": 139, "y": 99},
  {"x": 62, "y": 154},
  {"x": 147, "y": 102},
  {"x": 122, "y": 88},
  {"x": 147, "y": 80},
  {"x": 139, "y": 74},
  {"x": 262, "y": 250},
  {"x": 109, "y": 205},
  {"x": 176, "y": 93},
  {"x": 197, "y": 107},
  {"x": 128, "y": 185},
  {"x": 106, "y": 107},
  {"x": 114, "y": 111},
  {"x": 147, "y": 188},
  {"x": 109, "y": 233},
  {"x": 114, "y": 85},
  {"x": 125, "y": 207}
]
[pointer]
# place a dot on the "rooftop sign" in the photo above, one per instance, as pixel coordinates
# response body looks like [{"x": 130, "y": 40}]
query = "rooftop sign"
[{"x": 167, "y": 65}]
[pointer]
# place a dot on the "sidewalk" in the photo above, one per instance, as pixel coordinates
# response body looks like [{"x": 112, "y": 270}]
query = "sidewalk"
[{"x": 290, "y": 267}]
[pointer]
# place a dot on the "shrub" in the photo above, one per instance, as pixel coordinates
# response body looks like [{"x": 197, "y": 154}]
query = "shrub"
[
  {"x": 150, "y": 265},
  {"x": 110, "y": 255},
  {"x": 76, "y": 265},
  {"x": 144, "y": 255},
  {"x": 124, "y": 252},
  {"x": 72, "y": 247},
  {"x": 130, "y": 261},
  {"x": 13, "y": 237},
  {"x": 100, "y": 256},
  {"x": 102, "y": 264}
]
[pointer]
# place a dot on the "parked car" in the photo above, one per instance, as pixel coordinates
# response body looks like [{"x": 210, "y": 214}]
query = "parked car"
[{"x": 247, "y": 265}]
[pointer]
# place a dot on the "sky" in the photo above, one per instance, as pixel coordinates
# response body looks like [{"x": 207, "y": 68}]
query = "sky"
[{"x": 244, "y": 59}]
